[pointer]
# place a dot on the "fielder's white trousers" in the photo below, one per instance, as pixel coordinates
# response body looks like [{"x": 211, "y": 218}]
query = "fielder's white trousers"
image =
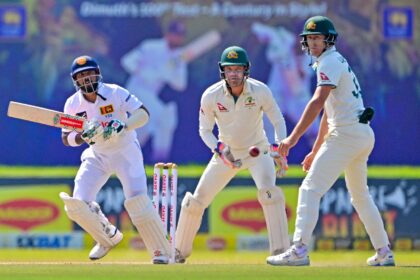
[{"x": 346, "y": 149}]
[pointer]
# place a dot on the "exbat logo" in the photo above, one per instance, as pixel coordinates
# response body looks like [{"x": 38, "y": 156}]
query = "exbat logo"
[{"x": 27, "y": 213}]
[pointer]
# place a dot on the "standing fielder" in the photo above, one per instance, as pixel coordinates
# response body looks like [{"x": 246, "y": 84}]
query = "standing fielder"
[
  {"x": 344, "y": 143},
  {"x": 113, "y": 148},
  {"x": 237, "y": 104}
]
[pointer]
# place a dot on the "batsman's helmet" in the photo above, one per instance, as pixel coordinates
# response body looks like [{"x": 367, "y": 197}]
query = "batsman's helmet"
[
  {"x": 234, "y": 55},
  {"x": 83, "y": 63},
  {"x": 319, "y": 25},
  {"x": 86, "y": 63}
]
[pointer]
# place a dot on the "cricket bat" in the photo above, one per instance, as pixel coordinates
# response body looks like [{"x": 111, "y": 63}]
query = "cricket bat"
[
  {"x": 201, "y": 45},
  {"x": 45, "y": 116}
]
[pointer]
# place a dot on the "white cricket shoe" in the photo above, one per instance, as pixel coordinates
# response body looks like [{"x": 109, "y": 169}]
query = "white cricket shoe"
[
  {"x": 382, "y": 259},
  {"x": 99, "y": 251},
  {"x": 292, "y": 257},
  {"x": 159, "y": 258}
]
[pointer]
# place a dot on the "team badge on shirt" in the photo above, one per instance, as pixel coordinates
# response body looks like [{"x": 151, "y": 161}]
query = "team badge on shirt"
[
  {"x": 222, "y": 108},
  {"x": 323, "y": 77},
  {"x": 249, "y": 102},
  {"x": 108, "y": 109}
]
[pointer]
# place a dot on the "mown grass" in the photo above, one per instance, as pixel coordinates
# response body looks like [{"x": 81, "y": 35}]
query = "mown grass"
[{"x": 129, "y": 264}]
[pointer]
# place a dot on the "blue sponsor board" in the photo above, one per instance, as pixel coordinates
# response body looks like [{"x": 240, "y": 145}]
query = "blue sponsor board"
[
  {"x": 398, "y": 22},
  {"x": 42, "y": 240},
  {"x": 13, "y": 19}
]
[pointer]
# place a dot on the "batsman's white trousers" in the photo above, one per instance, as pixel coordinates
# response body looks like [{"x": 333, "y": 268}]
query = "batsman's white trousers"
[
  {"x": 346, "y": 149},
  {"x": 96, "y": 168}
]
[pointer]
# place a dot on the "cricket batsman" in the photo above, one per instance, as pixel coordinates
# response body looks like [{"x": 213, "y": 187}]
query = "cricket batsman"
[
  {"x": 236, "y": 104},
  {"x": 113, "y": 114}
]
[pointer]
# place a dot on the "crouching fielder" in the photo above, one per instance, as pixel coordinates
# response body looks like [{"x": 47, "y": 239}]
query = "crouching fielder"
[
  {"x": 237, "y": 104},
  {"x": 113, "y": 115}
]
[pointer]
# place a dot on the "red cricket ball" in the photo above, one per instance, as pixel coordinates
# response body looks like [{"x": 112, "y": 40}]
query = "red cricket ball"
[{"x": 254, "y": 151}]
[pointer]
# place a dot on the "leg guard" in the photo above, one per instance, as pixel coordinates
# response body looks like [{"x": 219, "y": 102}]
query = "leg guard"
[
  {"x": 274, "y": 207},
  {"x": 188, "y": 224},
  {"x": 89, "y": 216},
  {"x": 148, "y": 224}
]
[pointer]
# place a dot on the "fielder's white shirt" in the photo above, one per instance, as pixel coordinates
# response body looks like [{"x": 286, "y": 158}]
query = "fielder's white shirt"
[
  {"x": 240, "y": 124},
  {"x": 118, "y": 104},
  {"x": 344, "y": 104}
]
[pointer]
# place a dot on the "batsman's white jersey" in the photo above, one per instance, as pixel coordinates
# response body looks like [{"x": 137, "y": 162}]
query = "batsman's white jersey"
[
  {"x": 346, "y": 148},
  {"x": 151, "y": 66},
  {"x": 121, "y": 155}
]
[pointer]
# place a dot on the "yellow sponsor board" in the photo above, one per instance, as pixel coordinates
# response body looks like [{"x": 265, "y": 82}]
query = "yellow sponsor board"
[
  {"x": 237, "y": 210},
  {"x": 34, "y": 208}
]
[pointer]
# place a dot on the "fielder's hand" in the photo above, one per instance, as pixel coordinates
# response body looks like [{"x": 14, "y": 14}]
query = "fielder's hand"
[
  {"x": 92, "y": 132},
  {"x": 281, "y": 161},
  {"x": 223, "y": 151},
  {"x": 307, "y": 162},
  {"x": 114, "y": 128}
]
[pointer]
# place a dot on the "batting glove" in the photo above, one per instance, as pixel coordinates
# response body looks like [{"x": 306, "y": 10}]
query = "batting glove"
[
  {"x": 114, "y": 128},
  {"x": 92, "y": 132},
  {"x": 281, "y": 161},
  {"x": 223, "y": 151}
]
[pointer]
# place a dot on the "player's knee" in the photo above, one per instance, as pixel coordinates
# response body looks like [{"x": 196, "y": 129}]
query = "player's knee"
[
  {"x": 271, "y": 195},
  {"x": 309, "y": 186},
  {"x": 192, "y": 205},
  {"x": 360, "y": 199}
]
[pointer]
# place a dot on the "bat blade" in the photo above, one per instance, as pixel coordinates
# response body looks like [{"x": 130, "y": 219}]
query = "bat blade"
[
  {"x": 201, "y": 45},
  {"x": 45, "y": 116}
]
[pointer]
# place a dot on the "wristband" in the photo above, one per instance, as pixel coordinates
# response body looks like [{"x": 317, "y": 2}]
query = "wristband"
[{"x": 71, "y": 139}]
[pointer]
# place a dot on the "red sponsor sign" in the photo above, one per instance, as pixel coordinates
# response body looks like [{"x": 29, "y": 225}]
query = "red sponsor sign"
[
  {"x": 27, "y": 213},
  {"x": 247, "y": 214},
  {"x": 71, "y": 122}
]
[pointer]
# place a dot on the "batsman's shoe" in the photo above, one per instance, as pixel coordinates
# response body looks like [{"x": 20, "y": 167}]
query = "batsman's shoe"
[
  {"x": 290, "y": 258},
  {"x": 384, "y": 259},
  {"x": 159, "y": 258},
  {"x": 99, "y": 251},
  {"x": 178, "y": 257}
]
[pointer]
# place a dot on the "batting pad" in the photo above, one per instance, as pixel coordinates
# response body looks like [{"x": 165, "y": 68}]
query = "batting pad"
[
  {"x": 89, "y": 216},
  {"x": 274, "y": 207},
  {"x": 189, "y": 222},
  {"x": 148, "y": 224}
]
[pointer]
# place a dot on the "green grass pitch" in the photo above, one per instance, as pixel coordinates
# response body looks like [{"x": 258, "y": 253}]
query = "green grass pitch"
[{"x": 125, "y": 264}]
